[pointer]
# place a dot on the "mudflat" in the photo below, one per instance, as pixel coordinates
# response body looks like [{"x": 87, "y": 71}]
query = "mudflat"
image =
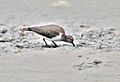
[{"x": 93, "y": 24}]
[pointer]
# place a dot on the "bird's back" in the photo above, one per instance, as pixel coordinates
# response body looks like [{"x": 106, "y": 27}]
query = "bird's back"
[{"x": 49, "y": 31}]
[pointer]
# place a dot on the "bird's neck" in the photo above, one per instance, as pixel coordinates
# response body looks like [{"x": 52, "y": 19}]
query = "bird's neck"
[{"x": 63, "y": 37}]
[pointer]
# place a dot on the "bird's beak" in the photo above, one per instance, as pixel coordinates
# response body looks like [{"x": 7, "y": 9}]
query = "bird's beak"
[{"x": 73, "y": 44}]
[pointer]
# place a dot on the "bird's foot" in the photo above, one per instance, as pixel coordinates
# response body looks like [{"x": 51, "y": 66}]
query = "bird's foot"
[
  {"x": 55, "y": 46},
  {"x": 47, "y": 46}
]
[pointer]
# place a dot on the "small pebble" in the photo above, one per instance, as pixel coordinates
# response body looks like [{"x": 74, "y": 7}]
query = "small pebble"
[
  {"x": 4, "y": 31},
  {"x": 82, "y": 26},
  {"x": 79, "y": 69},
  {"x": 80, "y": 56},
  {"x": 87, "y": 58},
  {"x": 97, "y": 62}
]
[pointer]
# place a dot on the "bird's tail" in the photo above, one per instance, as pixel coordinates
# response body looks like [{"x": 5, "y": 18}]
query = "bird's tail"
[{"x": 25, "y": 29}]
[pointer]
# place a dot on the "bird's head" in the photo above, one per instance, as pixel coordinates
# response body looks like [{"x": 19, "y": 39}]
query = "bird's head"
[{"x": 68, "y": 38}]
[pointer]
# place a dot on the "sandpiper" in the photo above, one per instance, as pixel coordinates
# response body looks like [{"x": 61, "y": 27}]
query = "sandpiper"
[{"x": 53, "y": 32}]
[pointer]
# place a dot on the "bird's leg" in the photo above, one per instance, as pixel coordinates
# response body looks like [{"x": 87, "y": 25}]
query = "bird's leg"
[
  {"x": 55, "y": 44},
  {"x": 46, "y": 43}
]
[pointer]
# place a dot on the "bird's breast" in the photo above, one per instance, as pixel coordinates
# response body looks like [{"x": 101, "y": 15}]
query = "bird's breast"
[{"x": 57, "y": 38}]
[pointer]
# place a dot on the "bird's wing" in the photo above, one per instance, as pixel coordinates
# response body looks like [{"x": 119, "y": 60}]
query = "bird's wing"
[{"x": 48, "y": 32}]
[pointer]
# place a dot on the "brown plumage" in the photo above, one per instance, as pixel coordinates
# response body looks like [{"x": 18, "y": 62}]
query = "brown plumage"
[{"x": 51, "y": 31}]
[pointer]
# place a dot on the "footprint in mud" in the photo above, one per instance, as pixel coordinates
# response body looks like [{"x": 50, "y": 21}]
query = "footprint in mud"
[{"x": 86, "y": 65}]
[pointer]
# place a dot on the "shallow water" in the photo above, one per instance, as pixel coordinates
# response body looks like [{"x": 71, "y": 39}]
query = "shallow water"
[{"x": 95, "y": 12}]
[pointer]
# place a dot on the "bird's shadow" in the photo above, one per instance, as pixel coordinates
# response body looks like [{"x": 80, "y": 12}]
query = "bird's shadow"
[{"x": 50, "y": 46}]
